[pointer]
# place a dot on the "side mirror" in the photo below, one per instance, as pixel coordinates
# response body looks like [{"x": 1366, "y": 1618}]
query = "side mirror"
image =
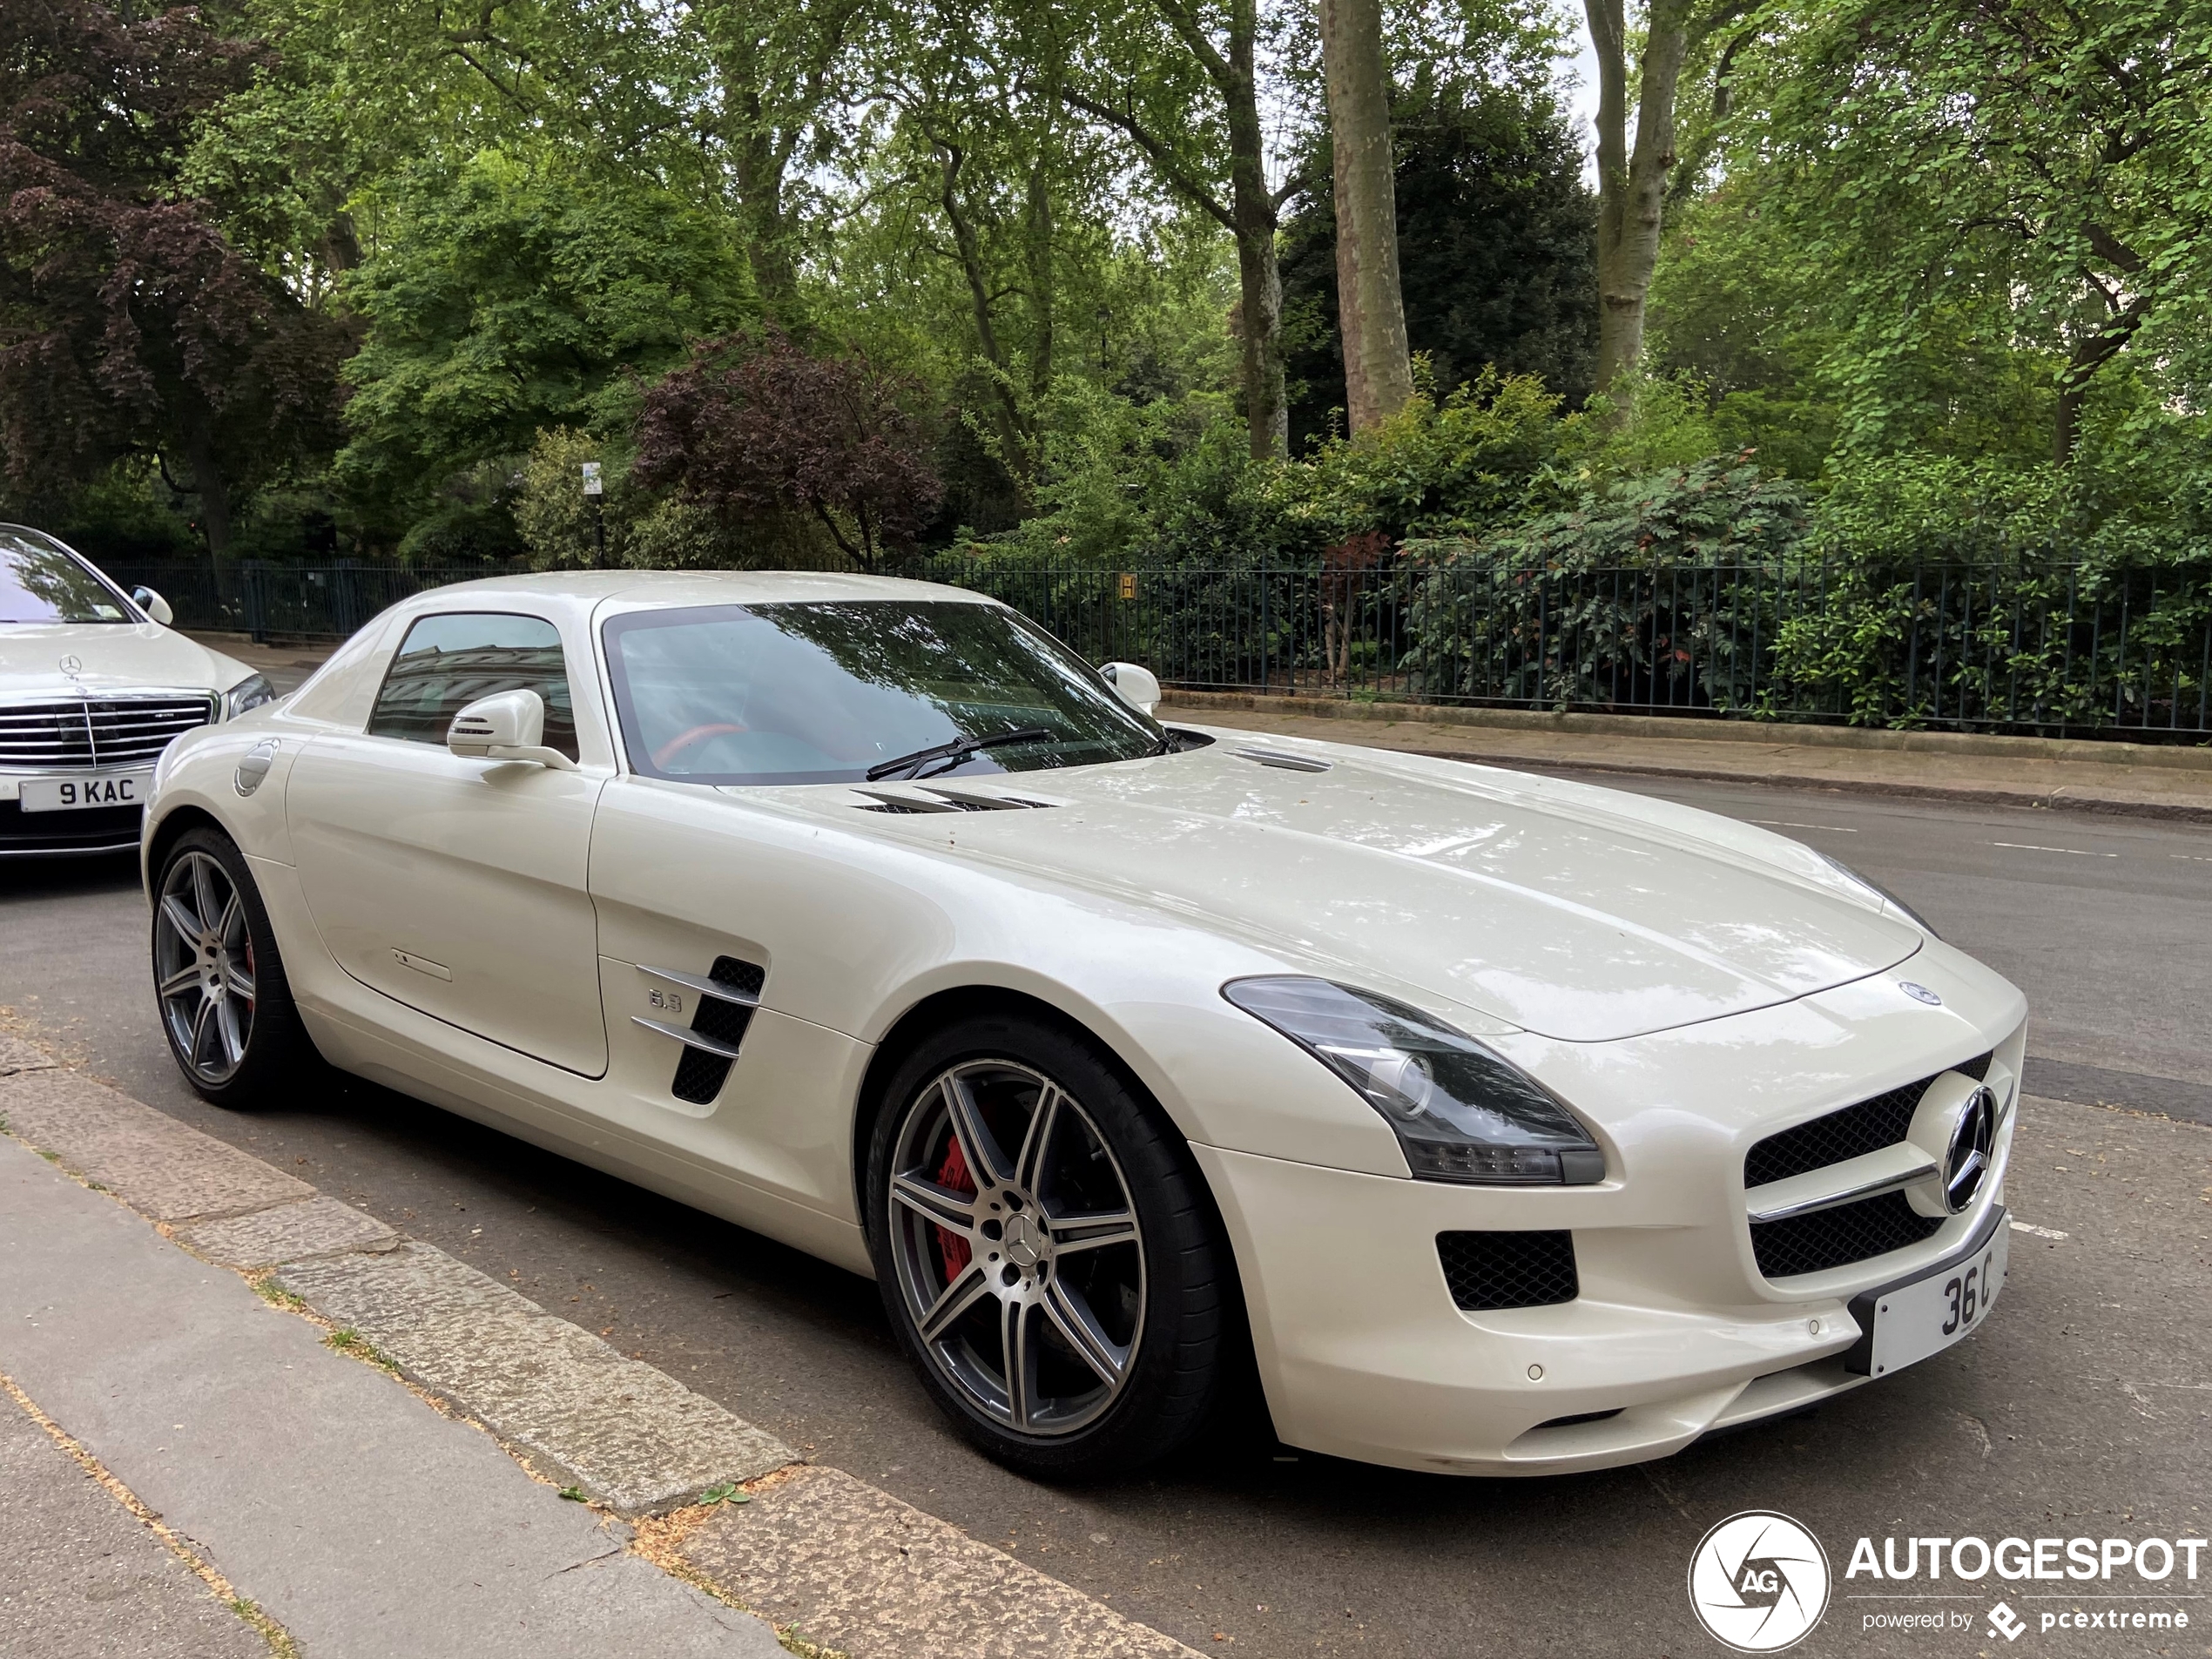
[
  {"x": 1138, "y": 687},
  {"x": 508, "y": 727},
  {"x": 153, "y": 604}
]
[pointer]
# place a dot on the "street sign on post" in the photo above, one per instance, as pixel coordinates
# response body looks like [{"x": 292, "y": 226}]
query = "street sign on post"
[{"x": 594, "y": 491}]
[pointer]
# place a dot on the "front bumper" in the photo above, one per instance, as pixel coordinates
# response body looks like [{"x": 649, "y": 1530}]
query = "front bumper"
[
  {"x": 1675, "y": 1331},
  {"x": 78, "y": 834}
]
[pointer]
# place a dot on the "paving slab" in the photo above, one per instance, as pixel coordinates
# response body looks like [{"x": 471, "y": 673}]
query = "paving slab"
[
  {"x": 851, "y": 1567},
  {"x": 162, "y": 1169},
  {"x": 15, "y": 1056},
  {"x": 368, "y": 1525},
  {"x": 629, "y": 1434},
  {"x": 287, "y": 1232},
  {"x": 81, "y": 1577}
]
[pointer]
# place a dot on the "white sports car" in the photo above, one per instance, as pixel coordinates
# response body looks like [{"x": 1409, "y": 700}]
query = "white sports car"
[
  {"x": 1517, "y": 1126},
  {"x": 92, "y": 687}
]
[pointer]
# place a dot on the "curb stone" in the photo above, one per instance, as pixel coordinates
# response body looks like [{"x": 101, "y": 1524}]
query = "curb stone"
[{"x": 867, "y": 1575}]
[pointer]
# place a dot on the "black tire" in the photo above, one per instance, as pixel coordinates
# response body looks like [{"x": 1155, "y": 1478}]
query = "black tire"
[
  {"x": 272, "y": 1050},
  {"x": 1177, "y": 1335}
]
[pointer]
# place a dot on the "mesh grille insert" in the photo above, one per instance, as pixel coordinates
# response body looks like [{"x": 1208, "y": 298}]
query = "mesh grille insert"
[
  {"x": 1867, "y": 1127},
  {"x": 699, "y": 1076},
  {"x": 1853, "y": 1232},
  {"x": 1508, "y": 1270}
]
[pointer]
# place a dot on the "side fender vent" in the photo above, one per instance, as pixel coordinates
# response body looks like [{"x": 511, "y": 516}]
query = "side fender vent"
[{"x": 722, "y": 1012}]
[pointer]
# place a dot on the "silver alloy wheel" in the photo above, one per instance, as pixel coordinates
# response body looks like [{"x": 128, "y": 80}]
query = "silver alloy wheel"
[
  {"x": 203, "y": 964},
  {"x": 1024, "y": 1275}
]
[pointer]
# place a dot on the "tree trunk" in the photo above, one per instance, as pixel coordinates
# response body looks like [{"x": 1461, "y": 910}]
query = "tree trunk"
[
  {"x": 1632, "y": 184},
  {"x": 1267, "y": 408},
  {"x": 1012, "y": 429},
  {"x": 1371, "y": 308},
  {"x": 214, "y": 509}
]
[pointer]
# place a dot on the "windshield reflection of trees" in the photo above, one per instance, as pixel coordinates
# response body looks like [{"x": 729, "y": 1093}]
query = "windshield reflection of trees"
[
  {"x": 53, "y": 586},
  {"x": 857, "y": 682}
]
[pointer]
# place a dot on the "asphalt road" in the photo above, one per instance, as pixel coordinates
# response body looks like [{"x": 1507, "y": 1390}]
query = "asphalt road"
[{"x": 2083, "y": 1407}]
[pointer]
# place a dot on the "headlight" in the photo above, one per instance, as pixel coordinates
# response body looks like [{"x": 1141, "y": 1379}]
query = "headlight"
[
  {"x": 249, "y": 693},
  {"x": 1460, "y": 1111},
  {"x": 1877, "y": 890}
]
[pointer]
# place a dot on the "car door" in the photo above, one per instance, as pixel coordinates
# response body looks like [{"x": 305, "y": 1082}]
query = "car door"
[{"x": 457, "y": 886}]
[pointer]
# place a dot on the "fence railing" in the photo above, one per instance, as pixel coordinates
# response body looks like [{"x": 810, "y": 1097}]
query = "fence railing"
[{"x": 2055, "y": 649}]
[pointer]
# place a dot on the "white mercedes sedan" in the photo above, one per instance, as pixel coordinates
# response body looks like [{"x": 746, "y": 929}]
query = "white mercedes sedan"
[
  {"x": 93, "y": 685},
  {"x": 1509, "y": 1126}
]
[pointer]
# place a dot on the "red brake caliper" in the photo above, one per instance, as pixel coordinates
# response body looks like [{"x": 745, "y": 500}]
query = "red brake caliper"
[{"x": 954, "y": 1177}]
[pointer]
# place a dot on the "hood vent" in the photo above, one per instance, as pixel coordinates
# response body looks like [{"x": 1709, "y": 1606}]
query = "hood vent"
[
  {"x": 1287, "y": 762},
  {"x": 945, "y": 800}
]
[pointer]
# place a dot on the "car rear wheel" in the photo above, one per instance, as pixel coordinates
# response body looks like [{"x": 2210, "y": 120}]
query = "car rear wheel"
[
  {"x": 225, "y": 1005},
  {"x": 1044, "y": 1250}
]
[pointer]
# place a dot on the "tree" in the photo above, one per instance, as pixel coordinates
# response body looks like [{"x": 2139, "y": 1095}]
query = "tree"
[
  {"x": 1495, "y": 229},
  {"x": 129, "y": 326},
  {"x": 778, "y": 65},
  {"x": 2046, "y": 166},
  {"x": 511, "y": 297},
  {"x": 1632, "y": 183},
  {"x": 751, "y": 427},
  {"x": 1181, "y": 79},
  {"x": 1378, "y": 370}
]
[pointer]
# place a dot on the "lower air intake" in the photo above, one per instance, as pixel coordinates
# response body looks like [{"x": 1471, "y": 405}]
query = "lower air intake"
[
  {"x": 1508, "y": 1270},
  {"x": 1851, "y": 1232}
]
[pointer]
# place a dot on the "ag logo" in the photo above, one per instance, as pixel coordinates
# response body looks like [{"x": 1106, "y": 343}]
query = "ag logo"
[{"x": 1758, "y": 1581}]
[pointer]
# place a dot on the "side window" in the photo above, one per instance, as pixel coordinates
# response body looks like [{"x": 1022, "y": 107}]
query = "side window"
[{"x": 447, "y": 663}]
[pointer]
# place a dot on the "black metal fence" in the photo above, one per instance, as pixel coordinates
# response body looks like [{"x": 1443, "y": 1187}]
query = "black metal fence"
[{"x": 2054, "y": 650}]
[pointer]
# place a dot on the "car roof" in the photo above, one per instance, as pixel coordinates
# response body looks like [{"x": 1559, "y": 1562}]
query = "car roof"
[{"x": 655, "y": 589}]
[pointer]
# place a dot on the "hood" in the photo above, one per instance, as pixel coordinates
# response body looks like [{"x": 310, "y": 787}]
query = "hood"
[
  {"x": 112, "y": 656},
  {"x": 1573, "y": 912}
]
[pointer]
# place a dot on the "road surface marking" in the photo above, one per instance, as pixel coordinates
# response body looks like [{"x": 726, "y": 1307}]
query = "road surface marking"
[
  {"x": 2041, "y": 1233},
  {"x": 1784, "y": 823},
  {"x": 2029, "y": 847}
]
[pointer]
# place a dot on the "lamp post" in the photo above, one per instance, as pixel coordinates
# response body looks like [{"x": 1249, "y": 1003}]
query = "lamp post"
[{"x": 595, "y": 488}]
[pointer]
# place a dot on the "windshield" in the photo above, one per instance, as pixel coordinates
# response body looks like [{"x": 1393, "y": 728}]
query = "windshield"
[
  {"x": 43, "y": 581},
  {"x": 820, "y": 692}
]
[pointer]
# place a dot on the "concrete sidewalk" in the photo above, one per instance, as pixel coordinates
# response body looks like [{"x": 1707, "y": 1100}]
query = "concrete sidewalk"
[
  {"x": 355, "y": 1519},
  {"x": 2173, "y": 782},
  {"x": 207, "y": 1448}
]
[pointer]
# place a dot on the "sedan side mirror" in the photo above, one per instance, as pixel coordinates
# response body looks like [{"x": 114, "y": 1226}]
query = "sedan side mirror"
[
  {"x": 509, "y": 725},
  {"x": 1138, "y": 687},
  {"x": 153, "y": 604}
]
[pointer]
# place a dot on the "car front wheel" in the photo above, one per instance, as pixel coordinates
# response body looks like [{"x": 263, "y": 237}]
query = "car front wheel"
[
  {"x": 225, "y": 1005},
  {"x": 1044, "y": 1252}
]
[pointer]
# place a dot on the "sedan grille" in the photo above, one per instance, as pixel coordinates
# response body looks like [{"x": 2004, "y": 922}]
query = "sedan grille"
[
  {"x": 1520, "y": 1270},
  {"x": 79, "y": 733},
  {"x": 1853, "y": 1232}
]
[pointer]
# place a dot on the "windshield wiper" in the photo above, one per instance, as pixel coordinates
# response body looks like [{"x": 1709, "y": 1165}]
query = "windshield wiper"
[{"x": 954, "y": 752}]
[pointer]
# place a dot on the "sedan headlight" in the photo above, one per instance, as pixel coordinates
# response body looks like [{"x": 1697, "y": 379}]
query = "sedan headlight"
[
  {"x": 1877, "y": 890},
  {"x": 249, "y": 693},
  {"x": 1461, "y": 1111}
]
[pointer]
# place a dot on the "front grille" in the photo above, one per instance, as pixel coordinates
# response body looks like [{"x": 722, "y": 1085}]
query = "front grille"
[
  {"x": 1852, "y": 1132},
  {"x": 1851, "y": 1232},
  {"x": 79, "y": 733},
  {"x": 1508, "y": 1270}
]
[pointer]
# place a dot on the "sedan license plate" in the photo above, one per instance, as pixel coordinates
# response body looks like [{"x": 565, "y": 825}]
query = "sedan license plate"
[
  {"x": 1908, "y": 1321},
  {"x": 75, "y": 794}
]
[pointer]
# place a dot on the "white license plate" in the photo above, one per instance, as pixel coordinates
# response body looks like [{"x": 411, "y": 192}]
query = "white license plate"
[
  {"x": 1926, "y": 1315},
  {"x": 93, "y": 789}
]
